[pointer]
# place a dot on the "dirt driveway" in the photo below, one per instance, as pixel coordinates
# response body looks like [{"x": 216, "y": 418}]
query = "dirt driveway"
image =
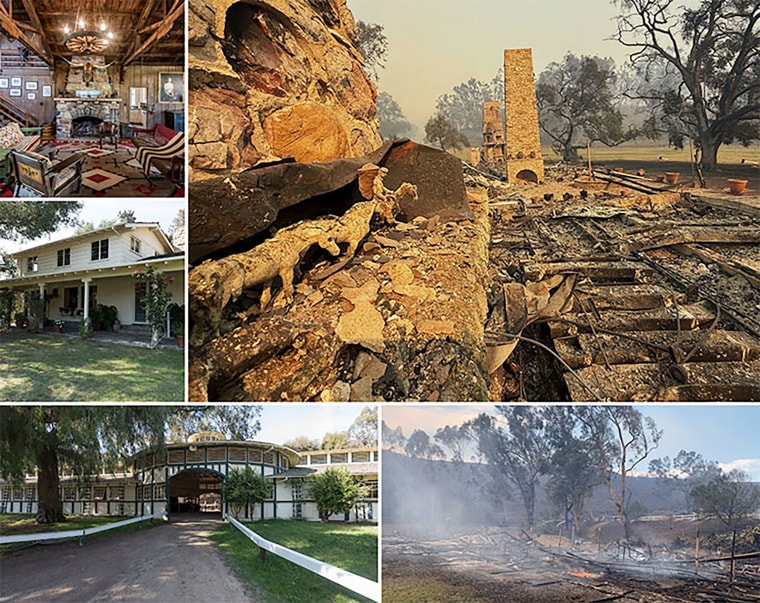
[{"x": 168, "y": 563}]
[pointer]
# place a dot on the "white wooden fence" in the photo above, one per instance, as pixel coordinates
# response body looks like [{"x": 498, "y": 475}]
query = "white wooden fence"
[
  {"x": 37, "y": 537},
  {"x": 358, "y": 584}
]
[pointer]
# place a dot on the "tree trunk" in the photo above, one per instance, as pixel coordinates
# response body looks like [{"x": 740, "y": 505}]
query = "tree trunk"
[
  {"x": 570, "y": 154},
  {"x": 49, "y": 507},
  {"x": 710, "y": 145}
]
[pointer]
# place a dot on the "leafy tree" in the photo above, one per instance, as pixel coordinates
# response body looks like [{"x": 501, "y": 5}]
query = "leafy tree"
[
  {"x": 302, "y": 444},
  {"x": 456, "y": 439},
  {"x": 235, "y": 422},
  {"x": 85, "y": 439},
  {"x": 572, "y": 477},
  {"x": 711, "y": 53},
  {"x": 419, "y": 445},
  {"x": 730, "y": 497},
  {"x": 520, "y": 451},
  {"x": 126, "y": 215},
  {"x": 576, "y": 105},
  {"x": 620, "y": 438},
  {"x": 363, "y": 431},
  {"x": 335, "y": 440},
  {"x": 441, "y": 131},
  {"x": 335, "y": 491},
  {"x": 686, "y": 471},
  {"x": 23, "y": 220},
  {"x": 245, "y": 487},
  {"x": 393, "y": 439},
  {"x": 89, "y": 226},
  {"x": 393, "y": 123},
  {"x": 463, "y": 107},
  {"x": 373, "y": 46}
]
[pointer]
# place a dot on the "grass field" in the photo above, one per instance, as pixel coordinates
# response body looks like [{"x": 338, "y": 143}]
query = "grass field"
[
  {"x": 38, "y": 368},
  {"x": 17, "y": 523},
  {"x": 351, "y": 547}
]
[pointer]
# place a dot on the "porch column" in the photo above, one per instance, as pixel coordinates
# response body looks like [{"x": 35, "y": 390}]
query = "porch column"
[
  {"x": 43, "y": 306},
  {"x": 86, "y": 308}
]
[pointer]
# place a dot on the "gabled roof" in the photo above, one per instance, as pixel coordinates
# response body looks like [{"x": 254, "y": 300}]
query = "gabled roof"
[{"x": 123, "y": 226}]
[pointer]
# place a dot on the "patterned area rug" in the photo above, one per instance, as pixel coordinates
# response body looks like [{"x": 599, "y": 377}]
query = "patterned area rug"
[
  {"x": 100, "y": 180},
  {"x": 112, "y": 173}
]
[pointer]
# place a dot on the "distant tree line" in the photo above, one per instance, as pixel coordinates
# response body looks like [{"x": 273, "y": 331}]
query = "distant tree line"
[
  {"x": 694, "y": 72},
  {"x": 571, "y": 450}
]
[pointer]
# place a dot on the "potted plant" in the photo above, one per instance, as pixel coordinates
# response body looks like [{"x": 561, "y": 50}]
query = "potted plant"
[
  {"x": 736, "y": 186},
  {"x": 179, "y": 332},
  {"x": 58, "y": 325}
]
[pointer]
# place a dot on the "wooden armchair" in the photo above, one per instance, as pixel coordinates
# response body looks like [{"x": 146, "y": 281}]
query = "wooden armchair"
[
  {"x": 108, "y": 132},
  {"x": 38, "y": 176}
]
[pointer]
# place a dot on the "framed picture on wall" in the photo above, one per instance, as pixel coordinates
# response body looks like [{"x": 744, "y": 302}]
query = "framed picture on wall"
[
  {"x": 31, "y": 86},
  {"x": 47, "y": 91},
  {"x": 171, "y": 87},
  {"x": 3, "y": 82},
  {"x": 16, "y": 82},
  {"x": 31, "y": 96},
  {"x": 15, "y": 91}
]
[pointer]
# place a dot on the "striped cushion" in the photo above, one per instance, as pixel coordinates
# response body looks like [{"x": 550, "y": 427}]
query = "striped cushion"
[{"x": 173, "y": 148}]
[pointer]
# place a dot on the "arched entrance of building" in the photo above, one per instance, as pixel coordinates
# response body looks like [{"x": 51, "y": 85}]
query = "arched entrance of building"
[
  {"x": 527, "y": 176},
  {"x": 196, "y": 491}
]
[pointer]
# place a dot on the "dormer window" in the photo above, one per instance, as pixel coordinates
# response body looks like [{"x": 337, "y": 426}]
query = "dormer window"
[
  {"x": 64, "y": 257},
  {"x": 100, "y": 250},
  {"x": 134, "y": 244},
  {"x": 31, "y": 264}
]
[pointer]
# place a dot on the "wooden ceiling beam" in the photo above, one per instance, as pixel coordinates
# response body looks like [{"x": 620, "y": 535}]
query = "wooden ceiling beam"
[
  {"x": 14, "y": 32},
  {"x": 35, "y": 19},
  {"x": 177, "y": 10}
]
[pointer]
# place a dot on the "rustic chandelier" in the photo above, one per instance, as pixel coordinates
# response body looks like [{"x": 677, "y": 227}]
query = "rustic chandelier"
[{"x": 87, "y": 40}]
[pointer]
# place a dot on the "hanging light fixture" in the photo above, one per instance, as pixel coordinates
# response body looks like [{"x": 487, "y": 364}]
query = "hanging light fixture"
[{"x": 87, "y": 40}]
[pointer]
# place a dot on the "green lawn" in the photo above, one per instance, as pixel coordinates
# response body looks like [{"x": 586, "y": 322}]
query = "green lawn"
[
  {"x": 351, "y": 547},
  {"x": 13, "y": 524},
  {"x": 39, "y": 368},
  {"x": 19, "y": 523}
]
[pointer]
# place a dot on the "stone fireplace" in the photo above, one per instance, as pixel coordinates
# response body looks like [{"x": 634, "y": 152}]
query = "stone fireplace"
[{"x": 77, "y": 117}]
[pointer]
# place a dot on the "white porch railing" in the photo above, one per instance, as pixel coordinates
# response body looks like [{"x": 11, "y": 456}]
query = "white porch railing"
[
  {"x": 38, "y": 537},
  {"x": 361, "y": 586}
]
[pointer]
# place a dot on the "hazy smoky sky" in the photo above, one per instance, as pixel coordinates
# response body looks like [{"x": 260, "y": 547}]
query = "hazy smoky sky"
[
  {"x": 436, "y": 44},
  {"x": 726, "y": 433}
]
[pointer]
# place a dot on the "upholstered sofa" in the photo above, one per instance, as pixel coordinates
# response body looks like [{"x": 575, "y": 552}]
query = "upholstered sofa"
[{"x": 15, "y": 138}]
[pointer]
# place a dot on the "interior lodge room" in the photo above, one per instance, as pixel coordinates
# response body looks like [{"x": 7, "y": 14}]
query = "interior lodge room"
[{"x": 92, "y": 98}]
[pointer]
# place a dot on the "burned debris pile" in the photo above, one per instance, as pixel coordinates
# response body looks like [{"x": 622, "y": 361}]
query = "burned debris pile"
[
  {"x": 664, "y": 304},
  {"x": 379, "y": 319}
]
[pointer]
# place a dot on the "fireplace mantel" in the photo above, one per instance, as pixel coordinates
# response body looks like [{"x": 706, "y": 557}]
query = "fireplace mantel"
[{"x": 68, "y": 109}]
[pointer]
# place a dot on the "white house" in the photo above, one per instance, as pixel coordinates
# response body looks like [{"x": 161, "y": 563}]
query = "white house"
[
  {"x": 188, "y": 477},
  {"x": 76, "y": 274}
]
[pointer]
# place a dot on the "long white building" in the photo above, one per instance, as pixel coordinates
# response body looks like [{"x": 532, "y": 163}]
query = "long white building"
[{"x": 188, "y": 477}]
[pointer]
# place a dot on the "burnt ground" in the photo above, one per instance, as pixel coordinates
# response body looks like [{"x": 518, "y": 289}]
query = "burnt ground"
[
  {"x": 501, "y": 565},
  {"x": 662, "y": 302},
  {"x": 666, "y": 295}
]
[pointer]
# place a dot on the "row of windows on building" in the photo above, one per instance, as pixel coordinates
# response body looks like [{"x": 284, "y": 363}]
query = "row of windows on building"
[
  {"x": 117, "y": 493},
  {"x": 98, "y": 251}
]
